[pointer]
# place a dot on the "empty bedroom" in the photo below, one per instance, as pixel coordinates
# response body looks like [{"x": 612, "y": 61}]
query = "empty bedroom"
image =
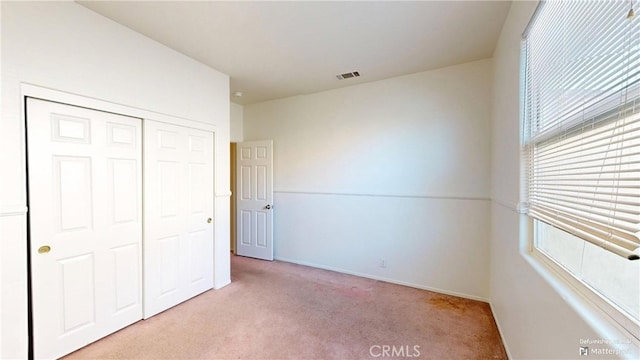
[{"x": 320, "y": 179}]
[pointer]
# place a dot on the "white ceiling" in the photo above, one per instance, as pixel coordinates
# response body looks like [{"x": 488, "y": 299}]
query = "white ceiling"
[{"x": 278, "y": 49}]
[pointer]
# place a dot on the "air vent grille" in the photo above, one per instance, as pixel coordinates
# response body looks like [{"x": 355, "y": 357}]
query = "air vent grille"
[{"x": 348, "y": 75}]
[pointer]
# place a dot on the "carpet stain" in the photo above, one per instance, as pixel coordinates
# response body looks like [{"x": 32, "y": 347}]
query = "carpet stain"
[
  {"x": 353, "y": 292},
  {"x": 443, "y": 303}
]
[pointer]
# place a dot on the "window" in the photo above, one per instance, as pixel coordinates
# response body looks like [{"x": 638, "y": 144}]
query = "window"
[{"x": 582, "y": 145}]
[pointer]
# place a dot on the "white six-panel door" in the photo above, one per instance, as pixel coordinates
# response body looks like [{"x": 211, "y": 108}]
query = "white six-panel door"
[
  {"x": 254, "y": 214},
  {"x": 85, "y": 213},
  {"x": 178, "y": 217}
]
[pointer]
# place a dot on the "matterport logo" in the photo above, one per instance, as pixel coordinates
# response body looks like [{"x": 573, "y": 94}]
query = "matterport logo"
[{"x": 386, "y": 351}]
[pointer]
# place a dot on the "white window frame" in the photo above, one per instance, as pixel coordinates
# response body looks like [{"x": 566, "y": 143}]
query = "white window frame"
[{"x": 608, "y": 308}]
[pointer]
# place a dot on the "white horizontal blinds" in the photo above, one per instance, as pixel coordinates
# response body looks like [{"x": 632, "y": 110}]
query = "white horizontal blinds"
[
  {"x": 582, "y": 112},
  {"x": 571, "y": 39}
]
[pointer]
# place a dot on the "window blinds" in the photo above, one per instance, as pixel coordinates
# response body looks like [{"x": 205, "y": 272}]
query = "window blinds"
[{"x": 582, "y": 121}]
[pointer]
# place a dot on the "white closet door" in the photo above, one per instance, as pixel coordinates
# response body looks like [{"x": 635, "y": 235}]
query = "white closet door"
[
  {"x": 179, "y": 203},
  {"x": 85, "y": 213}
]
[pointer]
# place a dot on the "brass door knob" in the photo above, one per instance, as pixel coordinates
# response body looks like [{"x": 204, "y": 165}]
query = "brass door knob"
[
  {"x": 209, "y": 220},
  {"x": 44, "y": 249}
]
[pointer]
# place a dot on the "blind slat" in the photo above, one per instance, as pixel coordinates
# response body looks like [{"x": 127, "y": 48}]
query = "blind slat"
[
  {"x": 629, "y": 127},
  {"x": 586, "y": 170},
  {"x": 585, "y": 235},
  {"x": 609, "y": 199},
  {"x": 623, "y": 238},
  {"x": 621, "y": 214},
  {"x": 604, "y": 193}
]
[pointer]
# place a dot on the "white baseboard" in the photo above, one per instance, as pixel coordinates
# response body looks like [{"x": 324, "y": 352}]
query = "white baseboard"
[
  {"x": 379, "y": 278},
  {"x": 504, "y": 343}
]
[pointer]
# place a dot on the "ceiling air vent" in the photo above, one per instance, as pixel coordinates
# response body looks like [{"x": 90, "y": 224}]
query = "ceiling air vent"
[{"x": 348, "y": 75}]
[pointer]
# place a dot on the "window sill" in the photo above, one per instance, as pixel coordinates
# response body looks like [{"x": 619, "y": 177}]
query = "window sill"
[{"x": 588, "y": 306}]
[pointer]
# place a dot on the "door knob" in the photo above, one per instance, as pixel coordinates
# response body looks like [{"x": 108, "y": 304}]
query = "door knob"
[
  {"x": 44, "y": 249},
  {"x": 268, "y": 206},
  {"x": 209, "y": 220}
]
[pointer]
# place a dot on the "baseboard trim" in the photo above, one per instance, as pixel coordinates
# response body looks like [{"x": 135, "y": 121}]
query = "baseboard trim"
[
  {"x": 380, "y": 278},
  {"x": 504, "y": 343}
]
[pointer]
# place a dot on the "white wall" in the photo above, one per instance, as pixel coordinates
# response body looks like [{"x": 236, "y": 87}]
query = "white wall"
[
  {"x": 66, "y": 47},
  {"x": 236, "y": 135},
  {"x": 539, "y": 316},
  {"x": 236, "y": 132},
  {"x": 396, "y": 170},
  {"x": 1, "y": 207}
]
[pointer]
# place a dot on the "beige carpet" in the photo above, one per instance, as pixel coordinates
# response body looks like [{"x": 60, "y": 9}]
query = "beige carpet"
[{"x": 276, "y": 310}]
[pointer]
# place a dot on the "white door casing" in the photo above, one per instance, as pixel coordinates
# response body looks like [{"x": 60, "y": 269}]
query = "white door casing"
[
  {"x": 254, "y": 213},
  {"x": 85, "y": 204},
  {"x": 178, "y": 216}
]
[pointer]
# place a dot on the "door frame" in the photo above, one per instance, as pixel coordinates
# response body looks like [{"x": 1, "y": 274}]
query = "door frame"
[
  {"x": 47, "y": 94},
  {"x": 34, "y": 91}
]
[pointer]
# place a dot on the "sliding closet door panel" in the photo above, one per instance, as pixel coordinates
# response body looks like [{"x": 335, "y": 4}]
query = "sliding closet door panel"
[
  {"x": 85, "y": 212},
  {"x": 179, "y": 203}
]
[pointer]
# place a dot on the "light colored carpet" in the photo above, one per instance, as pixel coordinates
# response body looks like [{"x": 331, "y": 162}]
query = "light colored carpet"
[{"x": 276, "y": 310}]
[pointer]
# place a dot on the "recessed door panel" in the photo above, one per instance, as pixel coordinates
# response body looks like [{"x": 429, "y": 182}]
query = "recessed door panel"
[
  {"x": 169, "y": 268},
  {"x": 167, "y": 139},
  {"x": 261, "y": 152},
  {"x": 72, "y": 181},
  {"x": 245, "y": 186},
  {"x": 197, "y": 144},
  {"x": 121, "y": 135},
  {"x": 261, "y": 183},
  {"x": 245, "y": 228},
  {"x": 78, "y": 292},
  {"x": 67, "y": 128},
  {"x": 124, "y": 189},
  {"x": 261, "y": 229},
  {"x": 168, "y": 178},
  {"x": 245, "y": 153},
  {"x": 197, "y": 176},
  {"x": 127, "y": 279},
  {"x": 197, "y": 262}
]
